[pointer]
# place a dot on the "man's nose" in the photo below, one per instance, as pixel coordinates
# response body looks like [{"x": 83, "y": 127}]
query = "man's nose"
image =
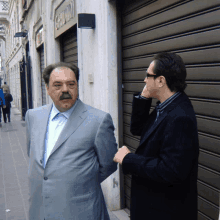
[{"x": 64, "y": 88}]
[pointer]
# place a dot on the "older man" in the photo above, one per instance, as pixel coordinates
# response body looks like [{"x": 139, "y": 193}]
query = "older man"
[
  {"x": 164, "y": 167},
  {"x": 71, "y": 147},
  {"x": 5, "y": 87}
]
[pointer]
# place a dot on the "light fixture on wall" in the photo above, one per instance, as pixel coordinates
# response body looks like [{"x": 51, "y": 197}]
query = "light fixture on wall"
[
  {"x": 86, "y": 21},
  {"x": 20, "y": 34}
]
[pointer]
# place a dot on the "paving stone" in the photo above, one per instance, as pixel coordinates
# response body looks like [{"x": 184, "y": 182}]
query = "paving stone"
[
  {"x": 17, "y": 213},
  {"x": 2, "y": 202},
  {"x": 22, "y": 170},
  {"x": 14, "y": 199},
  {"x": 22, "y": 166},
  {"x": 24, "y": 185},
  {"x": 9, "y": 170},
  {"x": 25, "y": 193},
  {"x": 112, "y": 216},
  {"x": 1, "y": 183},
  {"x": 11, "y": 182},
  {"x": 12, "y": 189},
  {"x": 1, "y": 172},
  {"x": 2, "y": 215}
]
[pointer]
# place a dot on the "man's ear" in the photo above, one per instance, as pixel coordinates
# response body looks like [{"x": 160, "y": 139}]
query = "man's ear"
[{"x": 161, "y": 81}]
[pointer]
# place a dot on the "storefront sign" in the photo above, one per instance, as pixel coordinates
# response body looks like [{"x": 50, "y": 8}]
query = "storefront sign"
[
  {"x": 39, "y": 37},
  {"x": 65, "y": 17}
]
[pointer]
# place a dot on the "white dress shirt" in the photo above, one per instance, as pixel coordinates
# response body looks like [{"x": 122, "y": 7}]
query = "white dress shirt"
[{"x": 56, "y": 123}]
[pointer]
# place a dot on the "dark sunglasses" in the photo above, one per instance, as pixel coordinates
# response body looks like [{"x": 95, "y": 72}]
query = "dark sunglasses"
[{"x": 149, "y": 75}]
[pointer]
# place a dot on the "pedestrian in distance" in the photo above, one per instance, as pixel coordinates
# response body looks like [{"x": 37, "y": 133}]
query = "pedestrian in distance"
[
  {"x": 7, "y": 110},
  {"x": 6, "y": 87},
  {"x": 2, "y": 104},
  {"x": 71, "y": 147},
  {"x": 164, "y": 167}
]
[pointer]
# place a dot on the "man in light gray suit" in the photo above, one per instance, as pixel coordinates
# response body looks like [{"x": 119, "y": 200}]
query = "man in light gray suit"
[{"x": 71, "y": 147}]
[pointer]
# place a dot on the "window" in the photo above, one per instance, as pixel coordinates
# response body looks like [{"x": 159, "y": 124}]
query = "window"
[
  {"x": 24, "y": 3},
  {"x": 5, "y": 6}
]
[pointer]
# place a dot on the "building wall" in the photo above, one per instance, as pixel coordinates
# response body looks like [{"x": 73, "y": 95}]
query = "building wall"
[
  {"x": 13, "y": 50},
  {"x": 33, "y": 21},
  {"x": 3, "y": 69},
  {"x": 97, "y": 55}
]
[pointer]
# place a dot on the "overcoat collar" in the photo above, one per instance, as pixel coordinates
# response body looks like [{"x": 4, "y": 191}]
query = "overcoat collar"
[
  {"x": 183, "y": 97},
  {"x": 76, "y": 118}
]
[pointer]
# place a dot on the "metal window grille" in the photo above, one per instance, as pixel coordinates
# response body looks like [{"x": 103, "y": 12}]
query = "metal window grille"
[
  {"x": 24, "y": 3},
  {"x": 5, "y": 6}
]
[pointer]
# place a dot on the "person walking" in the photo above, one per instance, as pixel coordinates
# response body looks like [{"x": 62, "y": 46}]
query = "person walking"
[
  {"x": 164, "y": 167},
  {"x": 7, "y": 110},
  {"x": 2, "y": 104},
  {"x": 71, "y": 147},
  {"x": 6, "y": 87}
]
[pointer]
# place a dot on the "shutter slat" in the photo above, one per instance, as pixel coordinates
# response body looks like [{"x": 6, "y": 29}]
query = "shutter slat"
[{"x": 69, "y": 46}]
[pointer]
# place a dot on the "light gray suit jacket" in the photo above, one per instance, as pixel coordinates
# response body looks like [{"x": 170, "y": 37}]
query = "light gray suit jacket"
[{"x": 69, "y": 186}]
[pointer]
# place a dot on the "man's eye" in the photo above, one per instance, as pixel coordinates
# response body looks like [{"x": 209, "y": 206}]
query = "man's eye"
[{"x": 57, "y": 85}]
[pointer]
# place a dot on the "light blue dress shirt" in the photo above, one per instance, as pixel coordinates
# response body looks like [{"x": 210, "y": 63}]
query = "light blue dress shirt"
[{"x": 56, "y": 123}]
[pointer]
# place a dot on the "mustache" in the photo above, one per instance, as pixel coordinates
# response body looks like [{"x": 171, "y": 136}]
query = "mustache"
[{"x": 65, "y": 96}]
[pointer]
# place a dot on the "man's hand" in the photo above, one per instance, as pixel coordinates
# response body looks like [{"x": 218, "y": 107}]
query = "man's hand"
[
  {"x": 122, "y": 152},
  {"x": 145, "y": 92},
  {"x": 4, "y": 106}
]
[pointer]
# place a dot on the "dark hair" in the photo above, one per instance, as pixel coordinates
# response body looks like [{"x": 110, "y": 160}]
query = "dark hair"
[
  {"x": 49, "y": 69},
  {"x": 172, "y": 67},
  {"x": 4, "y": 82}
]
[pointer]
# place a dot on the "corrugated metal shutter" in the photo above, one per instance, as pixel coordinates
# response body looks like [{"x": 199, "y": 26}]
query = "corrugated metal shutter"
[
  {"x": 43, "y": 88},
  {"x": 69, "y": 46},
  {"x": 192, "y": 30}
]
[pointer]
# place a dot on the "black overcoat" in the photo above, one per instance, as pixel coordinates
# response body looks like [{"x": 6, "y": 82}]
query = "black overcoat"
[
  {"x": 164, "y": 167},
  {"x": 8, "y": 99}
]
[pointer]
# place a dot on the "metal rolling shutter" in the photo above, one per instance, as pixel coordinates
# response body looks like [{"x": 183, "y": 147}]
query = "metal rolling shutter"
[
  {"x": 192, "y": 30},
  {"x": 43, "y": 88},
  {"x": 69, "y": 46}
]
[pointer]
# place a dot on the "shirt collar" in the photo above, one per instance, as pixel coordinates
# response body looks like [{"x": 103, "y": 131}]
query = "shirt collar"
[
  {"x": 55, "y": 111},
  {"x": 161, "y": 106}
]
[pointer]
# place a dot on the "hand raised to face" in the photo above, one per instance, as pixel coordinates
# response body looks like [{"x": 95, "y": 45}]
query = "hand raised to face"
[{"x": 145, "y": 92}]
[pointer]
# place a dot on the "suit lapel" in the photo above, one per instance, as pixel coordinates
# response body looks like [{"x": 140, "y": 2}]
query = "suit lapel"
[
  {"x": 43, "y": 127},
  {"x": 170, "y": 107},
  {"x": 76, "y": 118}
]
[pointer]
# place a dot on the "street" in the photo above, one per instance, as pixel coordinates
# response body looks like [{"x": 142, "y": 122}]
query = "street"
[{"x": 14, "y": 171}]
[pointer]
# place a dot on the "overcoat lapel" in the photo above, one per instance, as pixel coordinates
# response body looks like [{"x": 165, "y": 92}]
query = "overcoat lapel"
[
  {"x": 153, "y": 127},
  {"x": 76, "y": 118},
  {"x": 43, "y": 128},
  {"x": 170, "y": 107}
]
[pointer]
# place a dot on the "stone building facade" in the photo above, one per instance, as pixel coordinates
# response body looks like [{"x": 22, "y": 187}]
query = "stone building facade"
[{"x": 13, "y": 51}]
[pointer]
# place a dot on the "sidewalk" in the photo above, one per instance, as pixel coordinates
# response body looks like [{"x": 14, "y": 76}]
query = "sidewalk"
[{"x": 14, "y": 172}]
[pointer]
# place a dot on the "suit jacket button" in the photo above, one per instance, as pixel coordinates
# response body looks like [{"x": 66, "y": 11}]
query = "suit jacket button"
[
  {"x": 45, "y": 178},
  {"x": 41, "y": 161}
]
